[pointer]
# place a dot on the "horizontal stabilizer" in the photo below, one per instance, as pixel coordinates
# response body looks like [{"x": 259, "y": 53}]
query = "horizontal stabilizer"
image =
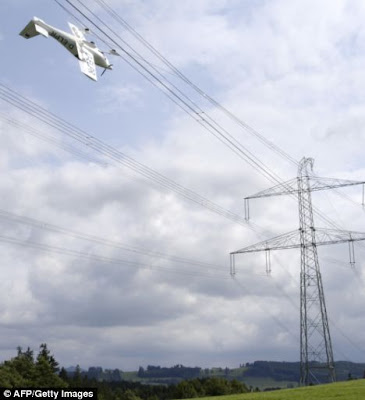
[
  {"x": 33, "y": 28},
  {"x": 41, "y": 30}
]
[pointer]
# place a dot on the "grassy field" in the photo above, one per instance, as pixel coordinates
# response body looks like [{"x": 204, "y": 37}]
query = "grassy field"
[
  {"x": 263, "y": 383},
  {"x": 352, "y": 390}
]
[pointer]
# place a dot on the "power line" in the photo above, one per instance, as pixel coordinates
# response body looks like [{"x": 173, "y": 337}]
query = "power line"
[
  {"x": 33, "y": 109},
  {"x": 315, "y": 344},
  {"x": 46, "y": 226},
  {"x": 103, "y": 259},
  {"x": 194, "y": 86},
  {"x": 179, "y": 98},
  {"x": 104, "y": 3},
  {"x": 46, "y": 137},
  {"x": 15, "y": 218},
  {"x": 187, "y": 104},
  {"x": 277, "y": 320},
  {"x": 200, "y": 111}
]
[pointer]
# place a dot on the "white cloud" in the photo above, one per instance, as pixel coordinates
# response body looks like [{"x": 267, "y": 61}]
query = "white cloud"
[
  {"x": 292, "y": 70},
  {"x": 115, "y": 99}
]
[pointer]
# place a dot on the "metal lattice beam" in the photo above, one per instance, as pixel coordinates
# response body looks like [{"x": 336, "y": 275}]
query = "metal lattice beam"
[
  {"x": 317, "y": 183},
  {"x": 291, "y": 240}
]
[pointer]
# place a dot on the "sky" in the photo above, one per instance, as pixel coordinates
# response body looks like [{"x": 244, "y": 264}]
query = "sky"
[{"x": 292, "y": 70}]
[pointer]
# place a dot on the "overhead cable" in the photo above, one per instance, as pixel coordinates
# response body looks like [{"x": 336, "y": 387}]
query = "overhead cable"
[{"x": 35, "y": 110}]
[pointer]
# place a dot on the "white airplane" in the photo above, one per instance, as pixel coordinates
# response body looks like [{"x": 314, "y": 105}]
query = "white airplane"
[{"x": 88, "y": 54}]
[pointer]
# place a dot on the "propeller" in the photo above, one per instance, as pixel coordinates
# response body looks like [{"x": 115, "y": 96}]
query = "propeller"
[
  {"x": 106, "y": 69},
  {"x": 113, "y": 52}
]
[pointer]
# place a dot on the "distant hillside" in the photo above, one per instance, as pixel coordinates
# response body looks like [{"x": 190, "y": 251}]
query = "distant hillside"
[
  {"x": 178, "y": 371},
  {"x": 286, "y": 371},
  {"x": 260, "y": 374}
]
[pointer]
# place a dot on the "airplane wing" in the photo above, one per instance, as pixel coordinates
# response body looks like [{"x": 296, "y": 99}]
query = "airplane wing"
[
  {"x": 77, "y": 32},
  {"x": 86, "y": 61},
  {"x": 86, "y": 58}
]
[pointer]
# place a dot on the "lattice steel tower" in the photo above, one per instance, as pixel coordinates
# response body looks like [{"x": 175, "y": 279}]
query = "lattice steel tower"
[{"x": 315, "y": 340}]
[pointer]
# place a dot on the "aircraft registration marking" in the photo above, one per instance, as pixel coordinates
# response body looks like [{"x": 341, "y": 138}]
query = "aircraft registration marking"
[{"x": 62, "y": 40}]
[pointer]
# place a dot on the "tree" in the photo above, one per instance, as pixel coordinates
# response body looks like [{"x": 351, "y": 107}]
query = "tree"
[
  {"x": 63, "y": 374},
  {"x": 129, "y": 395},
  {"x": 116, "y": 375},
  {"x": 77, "y": 377},
  {"x": 22, "y": 370},
  {"x": 216, "y": 387},
  {"x": 29, "y": 354},
  {"x": 185, "y": 390},
  {"x": 237, "y": 387},
  {"x": 199, "y": 387},
  {"x": 46, "y": 368},
  {"x": 10, "y": 377},
  {"x": 23, "y": 364},
  {"x": 45, "y": 375},
  {"x": 45, "y": 354}
]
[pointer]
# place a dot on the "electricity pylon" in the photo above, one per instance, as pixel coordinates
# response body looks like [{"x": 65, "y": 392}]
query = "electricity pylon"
[{"x": 315, "y": 340}]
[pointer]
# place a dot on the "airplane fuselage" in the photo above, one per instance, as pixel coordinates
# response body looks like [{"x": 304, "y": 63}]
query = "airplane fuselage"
[{"x": 68, "y": 41}]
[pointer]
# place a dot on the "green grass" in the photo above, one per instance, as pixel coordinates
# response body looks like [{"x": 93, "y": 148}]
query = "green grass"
[
  {"x": 352, "y": 390},
  {"x": 263, "y": 383}
]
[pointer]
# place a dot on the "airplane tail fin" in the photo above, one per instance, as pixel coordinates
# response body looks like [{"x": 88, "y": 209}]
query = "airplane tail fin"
[{"x": 34, "y": 28}]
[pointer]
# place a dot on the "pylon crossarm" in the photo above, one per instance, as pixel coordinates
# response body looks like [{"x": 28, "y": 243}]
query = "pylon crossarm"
[
  {"x": 290, "y": 240},
  {"x": 318, "y": 183},
  {"x": 288, "y": 187},
  {"x": 333, "y": 236}
]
